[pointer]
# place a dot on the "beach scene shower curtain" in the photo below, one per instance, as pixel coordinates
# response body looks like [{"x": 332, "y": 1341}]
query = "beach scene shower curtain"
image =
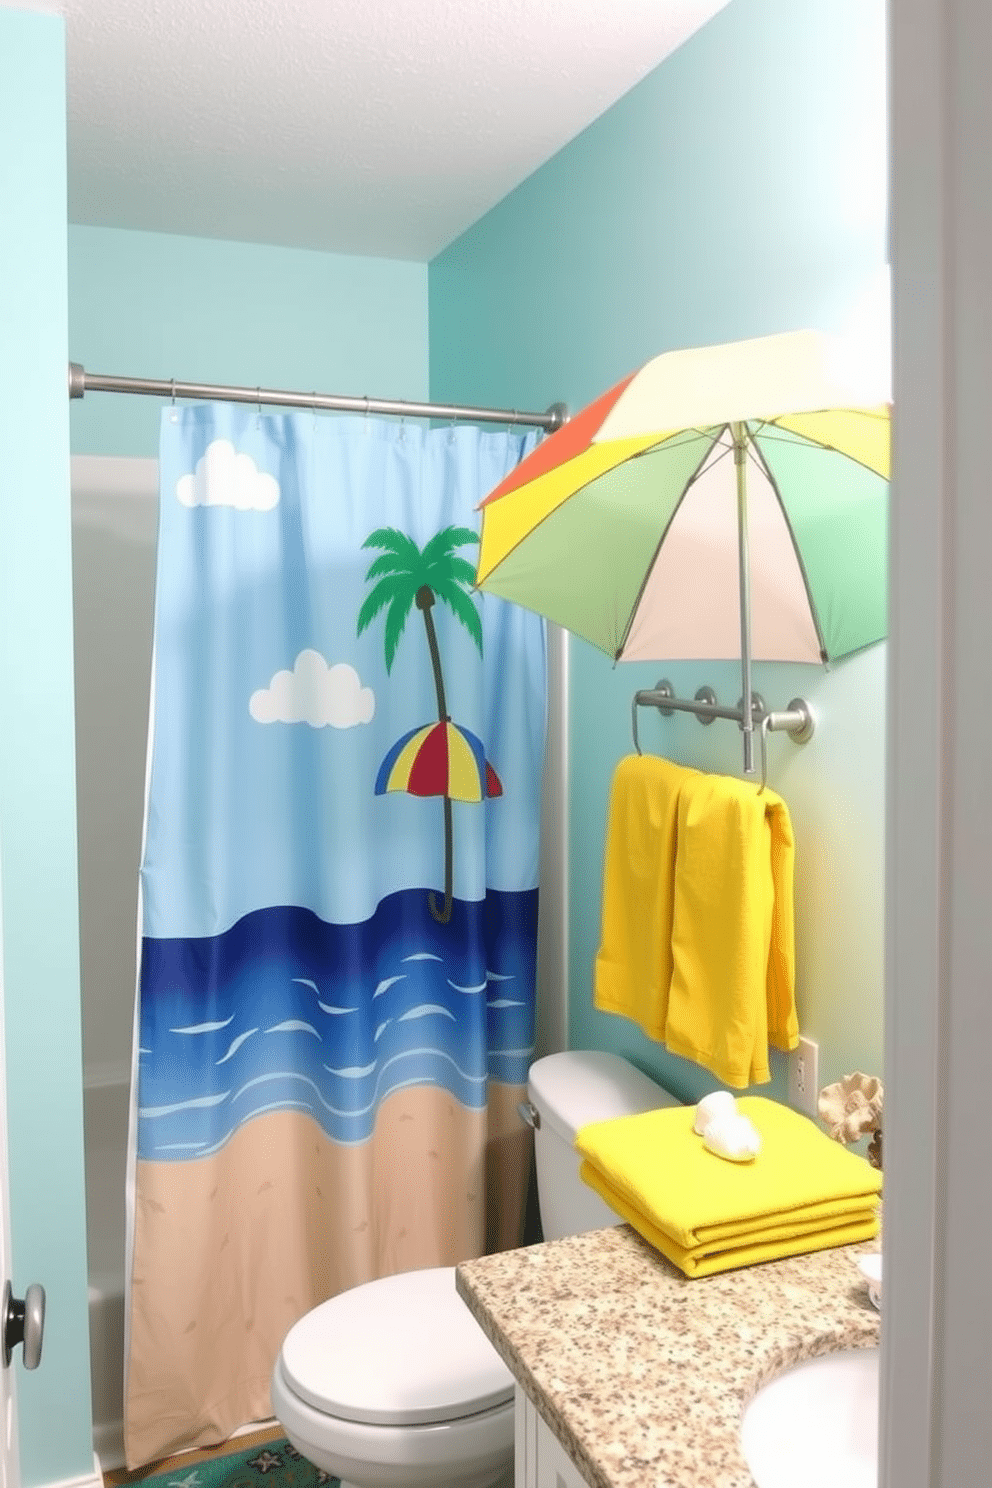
[{"x": 338, "y": 907}]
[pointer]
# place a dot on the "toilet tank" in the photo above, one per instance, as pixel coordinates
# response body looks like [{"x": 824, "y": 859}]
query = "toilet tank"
[{"x": 567, "y": 1091}]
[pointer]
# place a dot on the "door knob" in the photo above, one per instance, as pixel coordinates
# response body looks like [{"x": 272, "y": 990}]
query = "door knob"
[{"x": 23, "y": 1322}]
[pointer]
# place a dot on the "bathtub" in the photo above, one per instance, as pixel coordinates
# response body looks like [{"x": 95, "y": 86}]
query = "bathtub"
[{"x": 105, "y": 1108}]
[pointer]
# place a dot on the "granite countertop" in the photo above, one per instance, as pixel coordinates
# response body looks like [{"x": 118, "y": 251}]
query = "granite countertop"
[{"x": 644, "y": 1374}]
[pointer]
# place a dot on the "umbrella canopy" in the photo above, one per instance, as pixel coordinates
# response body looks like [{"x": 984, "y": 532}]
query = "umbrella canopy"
[
  {"x": 439, "y": 759},
  {"x": 726, "y": 501}
]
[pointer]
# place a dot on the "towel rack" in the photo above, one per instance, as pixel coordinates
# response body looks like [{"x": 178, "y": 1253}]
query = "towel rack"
[{"x": 797, "y": 720}]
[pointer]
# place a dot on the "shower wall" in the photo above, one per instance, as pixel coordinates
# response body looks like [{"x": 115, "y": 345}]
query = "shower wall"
[{"x": 114, "y": 525}]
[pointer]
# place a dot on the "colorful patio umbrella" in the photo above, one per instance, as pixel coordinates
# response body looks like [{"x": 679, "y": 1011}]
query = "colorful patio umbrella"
[{"x": 725, "y": 501}]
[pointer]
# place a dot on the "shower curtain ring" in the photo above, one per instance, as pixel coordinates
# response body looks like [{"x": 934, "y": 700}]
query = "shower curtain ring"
[{"x": 172, "y": 384}]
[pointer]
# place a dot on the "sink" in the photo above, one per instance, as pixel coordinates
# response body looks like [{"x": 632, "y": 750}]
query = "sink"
[{"x": 816, "y": 1425}]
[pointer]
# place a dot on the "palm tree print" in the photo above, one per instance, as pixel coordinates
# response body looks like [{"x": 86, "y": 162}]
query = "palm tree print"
[{"x": 406, "y": 577}]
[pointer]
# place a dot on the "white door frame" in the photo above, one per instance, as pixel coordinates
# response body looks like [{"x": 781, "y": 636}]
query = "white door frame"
[{"x": 936, "y": 1413}]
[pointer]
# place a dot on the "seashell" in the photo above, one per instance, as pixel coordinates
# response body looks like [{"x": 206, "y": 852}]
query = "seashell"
[
  {"x": 852, "y": 1108},
  {"x": 719, "y": 1103},
  {"x": 733, "y": 1137}
]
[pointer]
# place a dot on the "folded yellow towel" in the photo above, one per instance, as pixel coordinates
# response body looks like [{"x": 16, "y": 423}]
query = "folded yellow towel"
[
  {"x": 802, "y": 1192},
  {"x": 733, "y": 948},
  {"x": 704, "y": 1260},
  {"x": 634, "y": 964}
]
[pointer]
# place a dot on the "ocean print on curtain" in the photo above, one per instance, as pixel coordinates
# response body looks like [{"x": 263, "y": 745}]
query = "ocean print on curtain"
[{"x": 338, "y": 894}]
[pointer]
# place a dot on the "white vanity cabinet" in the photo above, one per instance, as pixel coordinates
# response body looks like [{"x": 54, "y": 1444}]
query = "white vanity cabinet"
[{"x": 540, "y": 1459}]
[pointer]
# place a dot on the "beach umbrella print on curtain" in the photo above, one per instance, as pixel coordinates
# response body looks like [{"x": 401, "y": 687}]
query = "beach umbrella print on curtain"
[
  {"x": 723, "y": 502},
  {"x": 443, "y": 758},
  {"x": 439, "y": 759}
]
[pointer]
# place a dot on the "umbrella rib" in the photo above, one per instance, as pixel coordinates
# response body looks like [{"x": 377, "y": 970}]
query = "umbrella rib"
[
  {"x": 760, "y": 460},
  {"x": 868, "y": 413},
  {"x": 718, "y": 432},
  {"x": 788, "y": 436}
]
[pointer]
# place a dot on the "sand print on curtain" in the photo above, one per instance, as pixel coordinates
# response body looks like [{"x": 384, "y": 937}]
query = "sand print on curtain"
[{"x": 338, "y": 894}]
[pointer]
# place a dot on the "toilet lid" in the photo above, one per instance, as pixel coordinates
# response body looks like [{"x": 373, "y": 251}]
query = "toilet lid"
[{"x": 399, "y": 1351}]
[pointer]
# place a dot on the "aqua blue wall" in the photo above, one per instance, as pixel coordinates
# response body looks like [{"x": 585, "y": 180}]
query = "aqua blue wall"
[
  {"x": 37, "y": 776},
  {"x": 156, "y": 305},
  {"x": 740, "y": 189},
  {"x": 131, "y": 303}
]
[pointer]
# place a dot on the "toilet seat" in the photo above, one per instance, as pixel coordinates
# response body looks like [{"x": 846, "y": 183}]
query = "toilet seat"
[
  {"x": 400, "y": 1351},
  {"x": 475, "y": 1450}
]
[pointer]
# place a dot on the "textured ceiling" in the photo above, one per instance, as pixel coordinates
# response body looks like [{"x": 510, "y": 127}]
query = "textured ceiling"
[{"x": 384, "y": 128}]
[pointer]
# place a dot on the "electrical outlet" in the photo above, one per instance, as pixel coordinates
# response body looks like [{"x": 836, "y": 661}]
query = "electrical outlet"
[{"x": 804, "y": 1086}]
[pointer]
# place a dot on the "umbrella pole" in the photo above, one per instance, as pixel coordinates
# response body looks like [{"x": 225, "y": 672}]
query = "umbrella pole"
[{"x": 744, "y": 564}]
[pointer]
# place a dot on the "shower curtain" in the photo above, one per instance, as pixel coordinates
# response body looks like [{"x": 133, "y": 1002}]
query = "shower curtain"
[{"x": 335, "y": 1008}]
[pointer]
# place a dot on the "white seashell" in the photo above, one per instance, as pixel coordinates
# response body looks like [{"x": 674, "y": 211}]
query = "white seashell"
[
  {"x": 733, "y": 1137},
  {"x": 718, "y": 1104}
]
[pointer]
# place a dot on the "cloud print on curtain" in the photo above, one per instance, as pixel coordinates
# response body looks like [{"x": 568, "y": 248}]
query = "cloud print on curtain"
[{"x": 338, "y": 894}]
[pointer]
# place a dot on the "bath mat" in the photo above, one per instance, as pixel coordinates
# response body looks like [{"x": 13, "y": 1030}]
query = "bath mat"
[{"x": 262, "y": 1460}]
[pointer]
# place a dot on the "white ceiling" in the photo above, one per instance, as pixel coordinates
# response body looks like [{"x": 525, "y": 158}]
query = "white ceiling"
[{"x": 382, "y": 128}]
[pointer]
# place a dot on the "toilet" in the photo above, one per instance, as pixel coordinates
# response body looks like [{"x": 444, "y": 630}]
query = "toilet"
[{"x": 393, "y": 1384}]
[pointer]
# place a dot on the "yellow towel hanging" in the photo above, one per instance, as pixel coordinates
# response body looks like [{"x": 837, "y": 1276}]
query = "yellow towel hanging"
[
  {"x": 733, "y": 939},
  {"x": 633, "y": 970}
]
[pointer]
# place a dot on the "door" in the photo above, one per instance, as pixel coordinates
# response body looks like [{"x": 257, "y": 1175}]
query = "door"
[
  {"x": 10, "y": 1476},
  {"x": 21, "y": 1321}
]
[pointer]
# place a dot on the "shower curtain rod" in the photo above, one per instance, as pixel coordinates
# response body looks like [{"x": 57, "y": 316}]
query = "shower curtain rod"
[{"x": 81, "y": 382}]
